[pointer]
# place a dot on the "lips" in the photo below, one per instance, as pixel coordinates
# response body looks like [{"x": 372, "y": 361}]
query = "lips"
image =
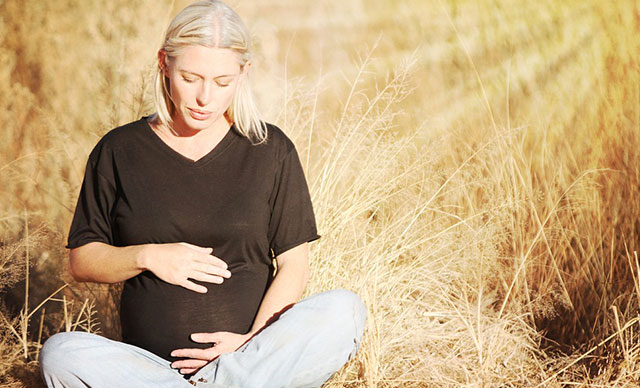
[{"x": 199, "y": 114}]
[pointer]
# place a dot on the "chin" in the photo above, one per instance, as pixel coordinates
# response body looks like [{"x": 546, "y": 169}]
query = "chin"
[{"x": 198, "y": 125}]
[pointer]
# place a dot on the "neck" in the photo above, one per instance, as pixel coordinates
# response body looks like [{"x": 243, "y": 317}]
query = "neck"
[
  {"x": 190, "y": 144},
  {"x": 178, "y": 128}
]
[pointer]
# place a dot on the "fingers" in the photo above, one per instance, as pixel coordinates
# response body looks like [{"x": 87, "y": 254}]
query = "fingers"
[
  {"x": 208, "y": 273},
  {"x": 188, "y": 364},
  {"x": 213, "y": 261},
  {"x": 218, "y": 262},
  {"x": 212, "y": 270},
  {"x": 199, "y": 264},
  {"x": 194, "y": 353},
  {"x": 203, "y": 277},
  {"x": 206, "y": 338},
  {"x": 194, "y": 358},
  {"x": 206, "y": 256},
  {"x": 189, "y": 285},
  {"x": 204, "y": 273}
]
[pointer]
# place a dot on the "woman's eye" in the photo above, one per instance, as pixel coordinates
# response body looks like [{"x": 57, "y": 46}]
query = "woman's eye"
[
  {"x": 222, "y": 85},
  {"x": 189, "y": 80}
]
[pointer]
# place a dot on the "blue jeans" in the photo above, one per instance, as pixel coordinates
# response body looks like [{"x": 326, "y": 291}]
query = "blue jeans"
[{"x": 303, "y": 348}]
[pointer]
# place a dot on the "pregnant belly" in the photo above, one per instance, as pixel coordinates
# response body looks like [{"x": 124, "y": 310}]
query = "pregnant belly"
[{"x": 160, "y": 317}]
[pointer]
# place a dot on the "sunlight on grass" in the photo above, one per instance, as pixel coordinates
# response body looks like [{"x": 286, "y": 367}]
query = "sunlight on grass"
[{"x": 474, "y": 167}]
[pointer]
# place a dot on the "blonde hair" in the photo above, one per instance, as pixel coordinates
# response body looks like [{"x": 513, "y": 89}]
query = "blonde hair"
[{"x": 211, "y": 23}]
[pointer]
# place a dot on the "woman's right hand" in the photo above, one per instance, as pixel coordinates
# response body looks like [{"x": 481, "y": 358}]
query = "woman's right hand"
[{"x": 176, "y": 263}]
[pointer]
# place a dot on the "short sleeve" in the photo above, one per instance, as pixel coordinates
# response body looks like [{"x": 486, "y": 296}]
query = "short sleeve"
[
  {"x": 292, "y": 219},
  {"x": 91, "y": 220}
]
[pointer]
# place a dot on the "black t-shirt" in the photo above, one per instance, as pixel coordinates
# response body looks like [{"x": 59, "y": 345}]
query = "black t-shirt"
[{"x": 248, "y": 202}]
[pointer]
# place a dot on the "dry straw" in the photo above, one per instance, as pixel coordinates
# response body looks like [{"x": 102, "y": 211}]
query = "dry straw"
[{"x": 474, "y": 176}]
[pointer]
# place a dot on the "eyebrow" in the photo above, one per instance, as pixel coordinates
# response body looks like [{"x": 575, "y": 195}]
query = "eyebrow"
[{"x": 198, "y": 75}]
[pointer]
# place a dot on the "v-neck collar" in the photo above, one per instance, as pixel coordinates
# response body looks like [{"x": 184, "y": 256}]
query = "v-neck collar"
[{"x": 224, "y": 143}]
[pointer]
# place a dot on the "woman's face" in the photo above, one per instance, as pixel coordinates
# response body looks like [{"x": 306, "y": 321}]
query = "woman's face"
[{"x": 202, "y": 81}]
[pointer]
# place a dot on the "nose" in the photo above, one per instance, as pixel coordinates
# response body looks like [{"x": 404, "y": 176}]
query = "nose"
[{"x": 205, "y": 93}]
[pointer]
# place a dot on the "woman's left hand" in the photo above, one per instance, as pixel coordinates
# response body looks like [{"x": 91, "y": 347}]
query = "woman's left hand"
[{"x": 194, "y": 358}]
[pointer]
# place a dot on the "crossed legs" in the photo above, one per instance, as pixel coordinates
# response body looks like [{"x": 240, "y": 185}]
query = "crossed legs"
[{"x": 303, "y": 348}]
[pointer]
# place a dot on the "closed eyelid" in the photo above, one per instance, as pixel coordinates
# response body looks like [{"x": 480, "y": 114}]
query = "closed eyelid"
[
  {"x": 225, "y": 79},
  {"x": 222, "y": 77}
]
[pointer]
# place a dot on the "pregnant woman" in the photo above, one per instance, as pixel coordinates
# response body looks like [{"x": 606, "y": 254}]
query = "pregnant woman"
[{"x": 190, "y": 207}]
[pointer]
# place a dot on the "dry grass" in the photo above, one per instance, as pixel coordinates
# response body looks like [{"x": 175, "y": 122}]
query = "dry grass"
[{"x": 475, "y": 170}]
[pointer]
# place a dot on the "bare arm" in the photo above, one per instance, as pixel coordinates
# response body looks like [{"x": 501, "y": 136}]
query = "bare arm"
[
  {"x": 102, "y": 263},
  {"x": 174, "y": 263},
  {"x": 287, "y": 286}
]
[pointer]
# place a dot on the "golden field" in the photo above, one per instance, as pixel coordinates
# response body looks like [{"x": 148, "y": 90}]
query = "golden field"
[{"x": 474, "y": 166}]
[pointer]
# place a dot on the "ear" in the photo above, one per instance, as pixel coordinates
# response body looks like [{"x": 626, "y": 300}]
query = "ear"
[
  {"x": 245, "y": 69},
  {"x": 162, "y": 62}
]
